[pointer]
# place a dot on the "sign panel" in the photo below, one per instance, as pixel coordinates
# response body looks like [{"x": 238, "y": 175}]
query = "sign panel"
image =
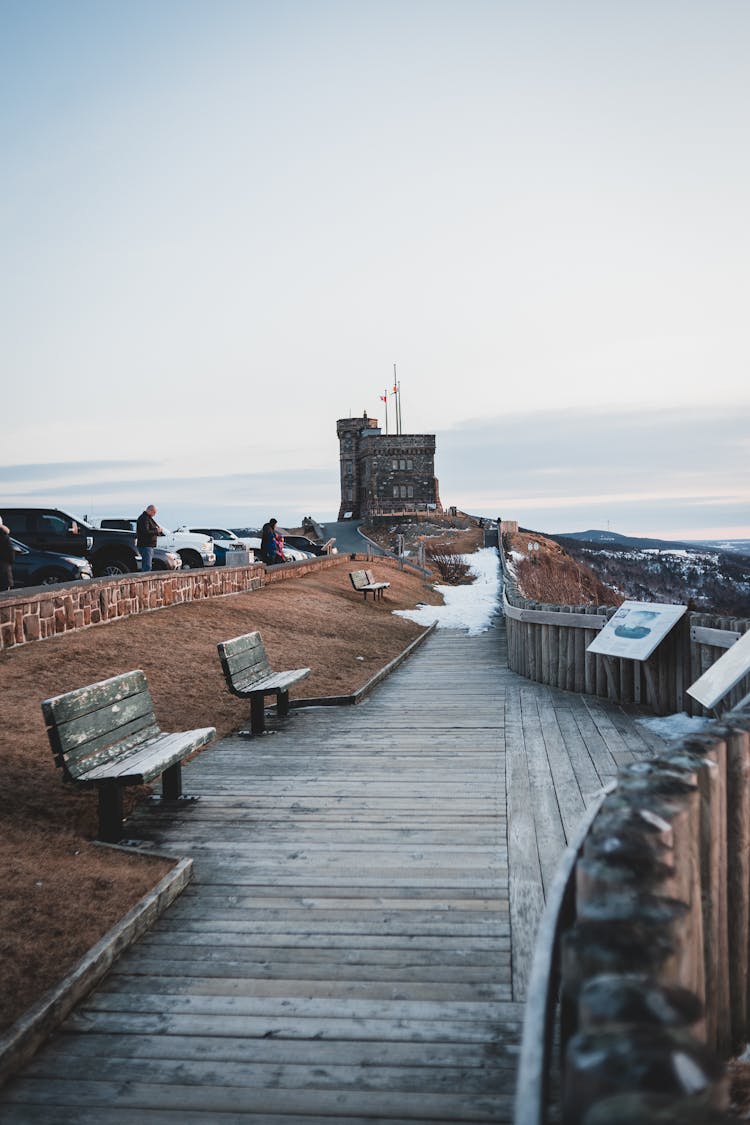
[
  {"x": 636, "y": 629},
  {"x": 722, "y": 676}
]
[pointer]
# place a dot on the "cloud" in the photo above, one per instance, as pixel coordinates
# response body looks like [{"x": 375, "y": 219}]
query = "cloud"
[
  {"x": 640, "y": 471},
  {"x": 648, "y": 470},
  {"x": 20, "y": 474}
]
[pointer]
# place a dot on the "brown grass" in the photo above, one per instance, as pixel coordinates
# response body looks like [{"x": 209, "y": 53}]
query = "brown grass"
[
  {"x": 551, "y": 576},
  {"x": 60, "y": 892}
]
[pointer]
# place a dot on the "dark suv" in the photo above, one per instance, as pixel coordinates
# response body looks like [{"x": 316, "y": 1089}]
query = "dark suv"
[{"x": 50, "y": 529}]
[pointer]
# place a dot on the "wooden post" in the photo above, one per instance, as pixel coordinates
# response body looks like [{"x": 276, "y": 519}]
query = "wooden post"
[
  {"x": 617, "y": 1060},
  {"x": 653, "y": 686},
  {"x": 738, "y": 882},
  {"x": 579, "y": 661},
  {"x": 589, "y": 658}
]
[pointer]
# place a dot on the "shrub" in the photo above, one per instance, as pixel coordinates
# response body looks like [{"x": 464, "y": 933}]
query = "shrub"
[{"x": 451, "y": 567}]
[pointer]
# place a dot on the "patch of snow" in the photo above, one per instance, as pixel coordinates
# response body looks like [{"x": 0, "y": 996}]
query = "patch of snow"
[
  {"x": 472, "y": 607},
  {"x": 674, "y": 727}
]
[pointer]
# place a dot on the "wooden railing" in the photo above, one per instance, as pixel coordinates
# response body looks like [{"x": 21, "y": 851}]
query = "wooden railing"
[
  {"x": 548, "y": 643},
  {"x": 647, "y": 932}
]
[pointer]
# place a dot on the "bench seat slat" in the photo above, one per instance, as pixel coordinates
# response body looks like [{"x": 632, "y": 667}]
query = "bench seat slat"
[
  {"x": 129, "y": 739},
  {"x": 151, "y": 759},
  {"x": 98, "y": 728},
  {"x": 238, "y": 665},
  {"x": 277, "y": 681},
  {"x": 81, "y": 701}
]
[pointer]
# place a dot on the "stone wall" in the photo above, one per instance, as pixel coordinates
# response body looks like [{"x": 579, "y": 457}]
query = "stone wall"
[{"x": 47, "y": 611}]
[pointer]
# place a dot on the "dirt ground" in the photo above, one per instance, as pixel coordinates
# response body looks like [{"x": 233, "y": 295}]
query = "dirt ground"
[{"x": 60, "y": 891}]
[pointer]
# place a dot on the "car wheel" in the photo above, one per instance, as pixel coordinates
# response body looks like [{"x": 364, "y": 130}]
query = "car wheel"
[
  {"x": 51, "y": 577},
  {"x": 191, "y": 560},
  {"x": 112, "y": 568}
]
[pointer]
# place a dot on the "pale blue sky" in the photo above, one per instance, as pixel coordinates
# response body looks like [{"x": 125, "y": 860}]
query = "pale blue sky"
[{"x": 222, "y": 223}]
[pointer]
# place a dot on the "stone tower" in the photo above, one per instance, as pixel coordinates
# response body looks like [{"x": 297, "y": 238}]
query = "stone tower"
[{"x": 384, "y": 474}]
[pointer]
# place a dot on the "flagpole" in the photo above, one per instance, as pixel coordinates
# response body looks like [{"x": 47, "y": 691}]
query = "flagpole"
[{"x": 397, "y": 396}]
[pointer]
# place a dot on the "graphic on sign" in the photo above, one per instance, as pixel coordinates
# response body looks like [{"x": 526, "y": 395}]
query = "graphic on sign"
[{"x": 636, "y": 629}]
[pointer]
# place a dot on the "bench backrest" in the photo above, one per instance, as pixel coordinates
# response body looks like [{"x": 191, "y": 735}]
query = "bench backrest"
[
  {"x": 244, "y": 658},
  {"x": 99, "y": 723},
  {"x": 359, "y": 579},
  {"x": 370, "y": 576}
]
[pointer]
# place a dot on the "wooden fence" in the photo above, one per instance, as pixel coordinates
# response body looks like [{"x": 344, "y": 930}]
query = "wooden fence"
[
  {"x": 548, "y": 643},
  {"x": 646, "y": 935}
]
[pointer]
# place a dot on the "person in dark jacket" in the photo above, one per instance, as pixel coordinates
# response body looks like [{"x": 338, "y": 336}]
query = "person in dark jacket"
[
  {"x": 7, "y": 557},
  {"x": 271, "y": 550},
  {"x": 147, "y": 532}
]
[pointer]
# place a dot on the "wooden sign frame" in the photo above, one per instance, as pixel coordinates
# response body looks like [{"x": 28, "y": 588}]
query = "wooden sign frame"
[
  {"x": 723, "y": 675},
  {"x": 636, "y": 628}
]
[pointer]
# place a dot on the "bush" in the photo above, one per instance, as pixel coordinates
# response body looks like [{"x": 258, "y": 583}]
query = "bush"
[{"x": 451, "y": 567}]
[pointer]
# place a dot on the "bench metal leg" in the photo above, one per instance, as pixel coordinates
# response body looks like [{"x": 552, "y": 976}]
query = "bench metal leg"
[
  {"x": 110, "y": 812},
  {"x": 171, "y": 782},
  {"x": 257, "y": 713},
  {"x": 282, "y": 703}
]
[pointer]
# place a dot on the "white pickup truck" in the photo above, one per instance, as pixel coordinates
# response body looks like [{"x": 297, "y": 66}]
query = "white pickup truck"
[{"x": 194, "y": 550}]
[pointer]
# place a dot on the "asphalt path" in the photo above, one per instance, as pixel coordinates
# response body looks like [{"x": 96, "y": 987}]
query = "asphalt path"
[{"x": 348, "y": 539}]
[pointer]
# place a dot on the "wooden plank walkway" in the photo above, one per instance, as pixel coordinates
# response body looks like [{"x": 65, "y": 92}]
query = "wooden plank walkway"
[{"x": 356, "y": 942}]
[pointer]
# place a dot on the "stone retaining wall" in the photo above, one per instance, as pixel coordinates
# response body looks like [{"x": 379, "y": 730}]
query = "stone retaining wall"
[{"x": 47, "y": 611}]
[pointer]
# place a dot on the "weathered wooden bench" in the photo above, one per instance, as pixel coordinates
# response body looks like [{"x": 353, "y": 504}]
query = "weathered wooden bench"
[
  {"x": 364, "y": 582},
  {"x": 106, "y": 736},
  {"x": 249, "y": 675}
]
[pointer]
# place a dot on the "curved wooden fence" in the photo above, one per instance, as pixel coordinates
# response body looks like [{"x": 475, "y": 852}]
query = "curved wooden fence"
[
  {"x": 647, "y": 937},
  {"x": 548, "y": 643}
]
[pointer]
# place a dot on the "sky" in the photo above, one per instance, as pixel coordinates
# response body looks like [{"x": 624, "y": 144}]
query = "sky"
[{"x": 222, "y": 223}]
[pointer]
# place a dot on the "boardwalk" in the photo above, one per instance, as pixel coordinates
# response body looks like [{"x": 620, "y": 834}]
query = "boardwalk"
[{"x": 355, "y": 943}]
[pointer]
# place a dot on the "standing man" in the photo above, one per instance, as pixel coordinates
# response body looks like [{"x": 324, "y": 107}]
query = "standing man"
[{"x": 147, "y": 532}]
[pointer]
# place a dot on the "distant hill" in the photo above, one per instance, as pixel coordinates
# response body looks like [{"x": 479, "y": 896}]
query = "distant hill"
[
  {"x": 714, "y": 576},
  {"x": 602, "y": 538}
]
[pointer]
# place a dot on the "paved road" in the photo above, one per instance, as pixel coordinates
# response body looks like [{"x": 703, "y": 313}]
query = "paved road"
[{"x": 348, "y": 539}]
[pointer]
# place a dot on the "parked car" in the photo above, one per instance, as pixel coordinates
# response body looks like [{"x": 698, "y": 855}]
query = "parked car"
[
  {"x": 165, "y": 560},
  {"x": 195, "y": 550},
  {"x": 110, "y": 552},
  {"x": 225, "y": 542},
  {"x": 302, "y": 543},
  {"x": 46, "y": 568},
  {"x": 291, "y": 554}
]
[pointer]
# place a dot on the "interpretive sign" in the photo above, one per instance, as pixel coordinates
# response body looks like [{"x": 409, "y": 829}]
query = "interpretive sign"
[
  {"x": 636, "y": 629},
  {"x": 722, "y": 676}
]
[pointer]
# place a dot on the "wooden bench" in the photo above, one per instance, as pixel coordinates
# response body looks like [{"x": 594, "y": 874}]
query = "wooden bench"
[
  {"x": 249, "y": 674},
  {"x": 364, "y": 582},
  {"x": 106, "y": 735}
]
